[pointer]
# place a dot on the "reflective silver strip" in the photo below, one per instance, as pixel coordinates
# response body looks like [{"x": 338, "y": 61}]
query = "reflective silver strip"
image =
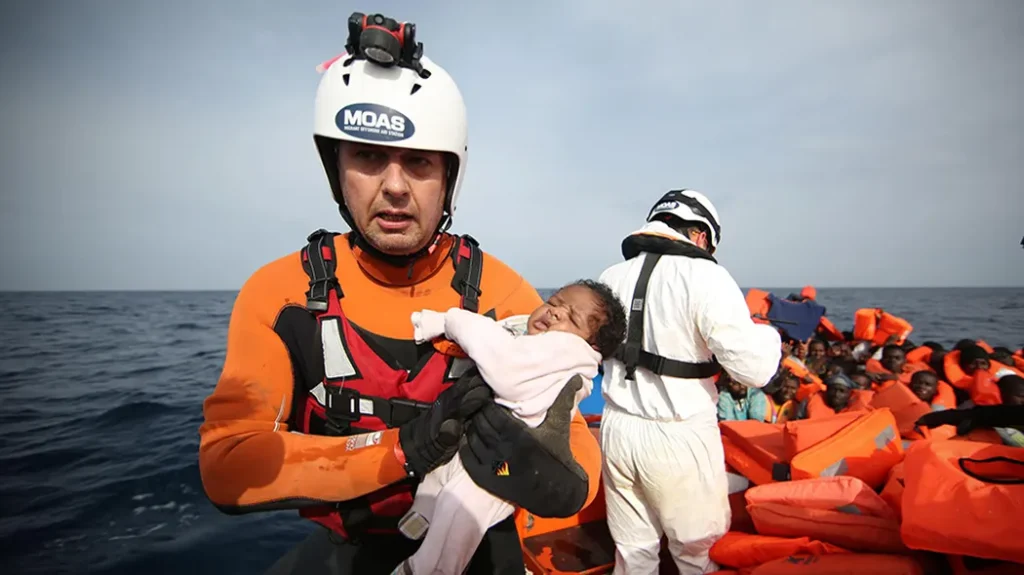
[
  {"x": 320, "y": 393},
  {"x": 337, "y": 365},
  {"x": 885, "y": 437},
  {"x": 837, "y": 468},
  {"x": 459, "y": 366}
]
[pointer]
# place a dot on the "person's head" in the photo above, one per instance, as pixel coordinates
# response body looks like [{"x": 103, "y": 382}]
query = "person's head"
[
  {"x": 841, "y": 350},
  {"x": 800, "y": 349},
  {"x": 938, "y": 361},
  {"x": 1011, "y": 389},
  {"x": 973, "y": 358},
  {"x": 586, "y": 308},
  {"x": 735, "y": 388},
  {"x": 691, "y": 214},
  {"x": 838, "y": 390},
  {"x": 393, "y": 142},
  {"x": 787, "y": 388},
  {"x": 964, "y": 343},
  {"x": 925, "y": 385},
  {"x": 808, "y": 293},
  {"x": 893, "y": 358},
  {"x": 816, "y": 349},
  {"x": 1002, "y": 354},
  {"x": 861, "y": 380},
  {"x": 934, "y": 345}
]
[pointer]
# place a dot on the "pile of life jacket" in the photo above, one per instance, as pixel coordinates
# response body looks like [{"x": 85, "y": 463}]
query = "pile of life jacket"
[{"x": 866, "y": 493}]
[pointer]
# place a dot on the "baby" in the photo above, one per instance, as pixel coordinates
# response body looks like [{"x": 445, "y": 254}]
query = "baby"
[{"x": 526, "y": 360}]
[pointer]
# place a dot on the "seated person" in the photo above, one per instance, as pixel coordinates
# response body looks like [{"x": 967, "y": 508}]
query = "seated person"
[
  {"x": 1011, "y": 389},
  {"x": 528, "y": 361},
  {"x": 781, "y": 401},
  {"x": 816, "y": 356},
  {"x": 891, "y": 368},
  {"x": 840, "y": 396},
  {"x": 739, "y": 402},
  {"x": 929, "y": 389},
  {"x": 861, "y": 380}
]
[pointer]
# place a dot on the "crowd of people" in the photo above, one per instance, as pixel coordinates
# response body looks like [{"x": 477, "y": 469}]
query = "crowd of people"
[{"x": 818, "y": 377}]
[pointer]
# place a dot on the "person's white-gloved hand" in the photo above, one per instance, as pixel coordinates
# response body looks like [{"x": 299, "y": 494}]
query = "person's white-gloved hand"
[{"x": 427, "y": 325}]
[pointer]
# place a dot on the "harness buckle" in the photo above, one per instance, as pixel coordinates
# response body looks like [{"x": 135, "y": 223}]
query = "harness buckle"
[
  {"x": 404, "y": 411},
  {"x": 344, "y": 405},
  {"x": 630, "y": 357}
]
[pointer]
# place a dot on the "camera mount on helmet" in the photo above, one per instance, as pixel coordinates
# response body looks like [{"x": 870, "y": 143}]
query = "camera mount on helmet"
[{"x": 385, "y": 42}]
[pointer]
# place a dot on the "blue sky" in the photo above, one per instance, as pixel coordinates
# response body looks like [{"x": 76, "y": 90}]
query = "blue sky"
[{"x": 168, "y": 145}]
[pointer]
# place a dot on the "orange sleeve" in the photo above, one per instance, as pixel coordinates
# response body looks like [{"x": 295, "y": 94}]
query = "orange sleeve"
[
  {"x": 247, "y": 456},
  {"x": 523, "y": 300}
]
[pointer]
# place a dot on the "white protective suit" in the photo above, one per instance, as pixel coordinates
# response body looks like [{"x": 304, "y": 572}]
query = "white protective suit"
[{"x": 664, "y": 467}]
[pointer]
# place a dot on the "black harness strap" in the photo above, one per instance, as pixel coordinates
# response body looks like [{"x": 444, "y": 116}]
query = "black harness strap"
[
  {"x": 320, "y": 265},
  {"x": 469, "y": 264},
  {"x": 344, "y": 405},
  {"x": 632, "y": 354}
]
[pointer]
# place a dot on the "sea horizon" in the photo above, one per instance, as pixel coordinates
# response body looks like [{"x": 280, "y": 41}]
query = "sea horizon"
[{"x": 545, "y": 288}]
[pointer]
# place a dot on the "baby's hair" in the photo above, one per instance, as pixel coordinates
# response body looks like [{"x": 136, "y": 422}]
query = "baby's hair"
[{"x": 612, "y": 330}]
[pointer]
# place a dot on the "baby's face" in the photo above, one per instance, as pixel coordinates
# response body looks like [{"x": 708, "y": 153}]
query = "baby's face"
[{"x": 573, "y": 309}]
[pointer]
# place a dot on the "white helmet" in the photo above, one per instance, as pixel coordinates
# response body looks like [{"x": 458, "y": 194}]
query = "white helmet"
[
  {"x": 690, "y": 206},
  {"x": 361, "y": 101}
]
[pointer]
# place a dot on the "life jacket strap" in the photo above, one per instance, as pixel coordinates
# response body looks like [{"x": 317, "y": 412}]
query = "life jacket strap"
[
  {"x": 319, "y": 263},
  {"x": 468, "y": 260},
  {"x": 345, "y": 406},
  {"x": 631, "y": 352}
]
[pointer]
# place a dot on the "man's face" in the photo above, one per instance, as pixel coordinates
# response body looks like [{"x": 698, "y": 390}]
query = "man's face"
[
  {"x": 816, "y": 350},
  {"x": 924, "y": 384},
  {"x": 395, "y": 195},
  {"x": 837, "y": 396},
  {"x": 894, "y": 359}
]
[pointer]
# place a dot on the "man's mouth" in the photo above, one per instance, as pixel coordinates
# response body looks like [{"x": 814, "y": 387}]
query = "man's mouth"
[{"x": 394, "y": 221}]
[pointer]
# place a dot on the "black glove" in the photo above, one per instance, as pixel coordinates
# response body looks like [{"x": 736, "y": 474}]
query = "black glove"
[
  {"x": 432, "y": 438},
  {"x": 981, "y": 417},
  {"x": 529, "y": 467}
]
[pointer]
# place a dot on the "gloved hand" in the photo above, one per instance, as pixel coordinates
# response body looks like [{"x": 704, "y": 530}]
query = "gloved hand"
[
  {"x": 433, "y": 437},
  {"x": 529, "y": 467},
  {"x": 427, "y": 324}
]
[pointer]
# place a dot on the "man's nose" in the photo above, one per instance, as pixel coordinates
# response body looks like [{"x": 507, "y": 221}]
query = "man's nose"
[{"x": 395, "y": 181}]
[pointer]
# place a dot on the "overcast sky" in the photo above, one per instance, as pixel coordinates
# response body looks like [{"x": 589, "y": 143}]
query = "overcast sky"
[{"x": 168, "y": 145}]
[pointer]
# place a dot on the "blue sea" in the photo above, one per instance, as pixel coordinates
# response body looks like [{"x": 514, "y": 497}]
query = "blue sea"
[{"x": 101, "y": 399}]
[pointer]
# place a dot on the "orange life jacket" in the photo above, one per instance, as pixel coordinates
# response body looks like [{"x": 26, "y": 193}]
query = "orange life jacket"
[
  {"x": 845, "y": 564},
  {"x": 803, "y": 374},
  {"x": 960, "y": 380},
  {"x": 907, "y": 409},
  {"x": 922, "y": 354},
  {"x": 745, "y": 550},
  {"x": 877, "y": 326},
  {"x": 829, "y": 330},
  {"x": 860, "y": 400},
  {"x": 779, "y": 413},
  {"x": 757, "y": 303},
  {"x": 981, "y": 386},
  {"x": 840, "y": 510},
  {"x": 859, "y": 444},
  {"x": 976, "y": 487},
  {"x": 892, "y": 493},
  {"x": 360, "y": 392}
]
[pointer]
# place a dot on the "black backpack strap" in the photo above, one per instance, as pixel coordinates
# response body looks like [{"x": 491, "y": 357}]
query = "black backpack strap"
[
  {"x": 632, "y": 354},
  {"x": 468, "y": 260},
  {"x": 319, "y": 263}
]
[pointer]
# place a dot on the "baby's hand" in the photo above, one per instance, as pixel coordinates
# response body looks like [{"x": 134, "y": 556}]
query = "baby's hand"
[{"x": 427, "y": 324}]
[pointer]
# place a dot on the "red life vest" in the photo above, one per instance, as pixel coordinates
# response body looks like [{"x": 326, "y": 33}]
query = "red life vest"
[{"x": 360, "y": 393}]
